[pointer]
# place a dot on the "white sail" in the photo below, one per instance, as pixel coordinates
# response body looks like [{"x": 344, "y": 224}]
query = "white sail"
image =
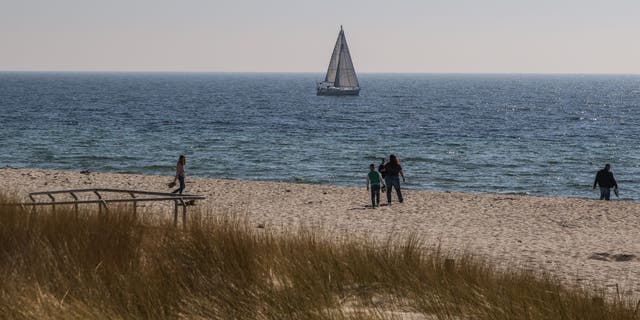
[
  {"x": 346, "y": 74},
  {"x": 335, "y": 56}
]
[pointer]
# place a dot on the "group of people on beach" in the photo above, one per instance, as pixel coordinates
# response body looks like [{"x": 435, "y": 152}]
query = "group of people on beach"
[
  {"x": 388, "y": 175},
  {"x": 386, "y": 178}
]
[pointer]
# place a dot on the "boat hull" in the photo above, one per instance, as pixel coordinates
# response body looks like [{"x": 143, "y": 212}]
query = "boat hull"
[{"x": 333, "y": 91}]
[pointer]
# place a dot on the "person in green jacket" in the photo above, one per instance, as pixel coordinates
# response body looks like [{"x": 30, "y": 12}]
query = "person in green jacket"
[{"x": 374, "y": 179}]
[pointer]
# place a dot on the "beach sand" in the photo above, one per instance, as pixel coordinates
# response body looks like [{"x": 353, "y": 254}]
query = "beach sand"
[{"x": 588, "y": 243}]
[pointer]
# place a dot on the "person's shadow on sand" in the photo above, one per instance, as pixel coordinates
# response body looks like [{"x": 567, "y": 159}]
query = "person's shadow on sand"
[{"x": 368, "y": 207}]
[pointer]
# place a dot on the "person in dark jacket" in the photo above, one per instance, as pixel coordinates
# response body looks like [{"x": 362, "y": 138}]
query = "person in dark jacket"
[
  {"x": 393, "y": 172},
  {"x": 605, "y": 179}
]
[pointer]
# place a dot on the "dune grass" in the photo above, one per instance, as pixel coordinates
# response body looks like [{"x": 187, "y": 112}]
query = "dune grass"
[{"x": 111, "y": 265}]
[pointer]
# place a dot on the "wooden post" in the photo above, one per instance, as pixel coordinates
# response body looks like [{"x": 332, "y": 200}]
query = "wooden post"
[
  {"x": 99, "y": 204},
  {"x": 33, "y": 200},
  {"x": 53, "y": 199},
  {"x": 76, "y": 204}
]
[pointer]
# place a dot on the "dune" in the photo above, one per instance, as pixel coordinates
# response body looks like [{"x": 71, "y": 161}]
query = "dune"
[{"x": 582, "y": 242}]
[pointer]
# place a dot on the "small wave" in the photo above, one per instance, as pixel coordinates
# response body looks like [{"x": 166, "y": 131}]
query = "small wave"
[
  {"x": 155, "y": 167},
  {"x": 579, "y": 118},
  {"x": 419, "y": 159},
  {"x": 516, "y": 193},
  {"x": 447, "y": 180}
]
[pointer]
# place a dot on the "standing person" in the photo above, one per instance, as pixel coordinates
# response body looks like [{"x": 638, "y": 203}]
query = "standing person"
[
  {"x": 374, "y": 178},
  {"x": 605, "y": 179},
  {"x": 392, "y": 179},
  {"x": 180, "y": 174}
]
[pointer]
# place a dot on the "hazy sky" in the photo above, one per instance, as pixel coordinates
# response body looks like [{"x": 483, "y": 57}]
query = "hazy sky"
[{"x": 512, "y": 36}]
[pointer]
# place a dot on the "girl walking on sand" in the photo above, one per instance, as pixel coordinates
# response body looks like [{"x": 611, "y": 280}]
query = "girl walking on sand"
[{"x": 180, "y": 174}]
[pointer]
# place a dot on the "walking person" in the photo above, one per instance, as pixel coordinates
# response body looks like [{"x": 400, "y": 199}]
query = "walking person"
[
  {"x": 393, "y": 172},
  {"x": 605, "y": 179},
  {"x": 180, "y": 174},
  {"x": 374, "y": 179}
]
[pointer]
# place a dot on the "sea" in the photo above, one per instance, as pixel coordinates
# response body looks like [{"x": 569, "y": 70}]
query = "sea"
[{"x": 525, "y": 134}]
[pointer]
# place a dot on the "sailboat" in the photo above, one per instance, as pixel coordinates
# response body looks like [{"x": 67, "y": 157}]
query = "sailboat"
[{"x": 341, "y": 79}]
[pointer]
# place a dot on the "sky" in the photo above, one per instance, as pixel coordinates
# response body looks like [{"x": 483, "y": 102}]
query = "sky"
[{"x": 421, "y": 36}]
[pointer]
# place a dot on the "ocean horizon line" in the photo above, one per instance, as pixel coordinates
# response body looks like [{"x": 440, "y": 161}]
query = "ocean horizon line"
[{"x": 315, "y": 72}]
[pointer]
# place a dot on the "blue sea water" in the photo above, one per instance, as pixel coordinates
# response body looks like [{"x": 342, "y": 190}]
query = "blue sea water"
[{"x": 524, "y": 134}]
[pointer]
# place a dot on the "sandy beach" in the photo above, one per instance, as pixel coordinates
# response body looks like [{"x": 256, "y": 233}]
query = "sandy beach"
[{"x": 583, "y": 242}]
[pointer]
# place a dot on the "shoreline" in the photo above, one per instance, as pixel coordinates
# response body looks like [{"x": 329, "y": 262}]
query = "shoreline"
[
  {"x": 583, "y": 242},
  {"x": 296, "y": 181}
]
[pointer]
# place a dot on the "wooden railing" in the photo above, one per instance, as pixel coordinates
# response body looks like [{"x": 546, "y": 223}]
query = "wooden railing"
[{"x": 79, "y": 196}]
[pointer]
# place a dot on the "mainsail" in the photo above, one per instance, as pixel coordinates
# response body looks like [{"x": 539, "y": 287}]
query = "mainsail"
[{"x": 341, "y": 72}]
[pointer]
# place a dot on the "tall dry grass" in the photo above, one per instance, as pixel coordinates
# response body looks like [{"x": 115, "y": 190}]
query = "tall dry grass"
[{"x": 62, "y": 265}]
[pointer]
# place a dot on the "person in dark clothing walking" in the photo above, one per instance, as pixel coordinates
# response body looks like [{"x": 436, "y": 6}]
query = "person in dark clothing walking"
[
  {"x": 182, "y": 160},
  {"x": 393, "y": 172},
  {"x": 605, "y": 179}
]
